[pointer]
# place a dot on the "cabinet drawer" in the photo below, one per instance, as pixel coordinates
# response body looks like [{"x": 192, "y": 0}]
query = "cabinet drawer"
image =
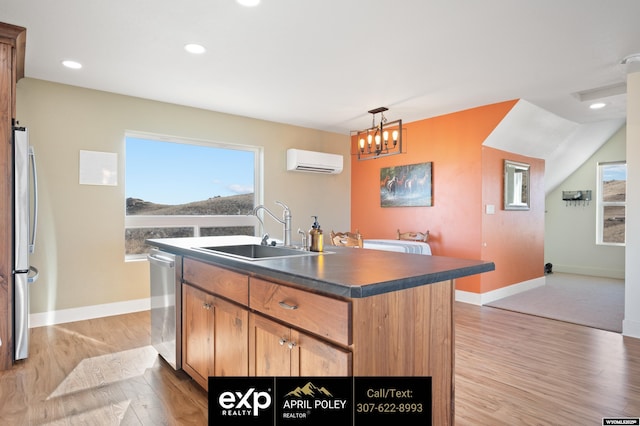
[
  {"x": 216, "y": 280},
  {"x": 321, "y": 315}
]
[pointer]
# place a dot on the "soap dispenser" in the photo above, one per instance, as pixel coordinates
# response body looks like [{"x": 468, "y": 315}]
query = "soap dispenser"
[{"x": 316, "y": 236}]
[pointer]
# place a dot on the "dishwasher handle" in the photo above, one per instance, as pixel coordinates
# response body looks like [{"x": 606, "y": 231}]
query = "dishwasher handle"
[{"x": 161, "y": 261}]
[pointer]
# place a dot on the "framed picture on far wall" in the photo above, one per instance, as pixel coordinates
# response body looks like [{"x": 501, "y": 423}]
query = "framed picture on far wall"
[{"x": 406, "y": 186}]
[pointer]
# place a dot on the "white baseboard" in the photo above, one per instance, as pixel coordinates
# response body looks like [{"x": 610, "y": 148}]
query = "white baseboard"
[
  {"x": 88, "y": 312},
  {"x": 468, "y": 297},
  {"x": 490, "y": 296},
  {"x": 593, "y": 272},
  {"x": 631, "y": 328}
]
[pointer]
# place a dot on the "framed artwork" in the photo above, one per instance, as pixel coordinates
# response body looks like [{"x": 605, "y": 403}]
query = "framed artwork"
[{"x": 406, "y": 186}]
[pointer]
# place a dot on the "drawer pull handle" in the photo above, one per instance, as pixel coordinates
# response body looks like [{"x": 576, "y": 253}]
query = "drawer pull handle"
[
  {"x": 287, "y": 306},
  {"x": 291, "y": 345},
  {"x": 282, "y": 341}
]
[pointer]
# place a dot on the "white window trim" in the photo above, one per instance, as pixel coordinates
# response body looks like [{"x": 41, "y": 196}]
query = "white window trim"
[
  {"x": 199, "y": 221},
  {"x": 601, "y": 204}
]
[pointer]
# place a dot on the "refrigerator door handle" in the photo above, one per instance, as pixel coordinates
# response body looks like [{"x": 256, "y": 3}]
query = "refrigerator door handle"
[
  {"x": 32, "y": 157},
  {"x": 33, "y": 278},
  {"x": 21, "y": 317}
]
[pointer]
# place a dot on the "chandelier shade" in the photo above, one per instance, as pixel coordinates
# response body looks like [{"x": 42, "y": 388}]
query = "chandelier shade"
[{"x": 379, "y": 140}]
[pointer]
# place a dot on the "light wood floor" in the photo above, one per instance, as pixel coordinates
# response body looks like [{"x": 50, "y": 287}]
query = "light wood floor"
[
  {"x": 518, "y": 369},
  {"x": 98, "y": 372},
  {"x": 511, "y": 369}
]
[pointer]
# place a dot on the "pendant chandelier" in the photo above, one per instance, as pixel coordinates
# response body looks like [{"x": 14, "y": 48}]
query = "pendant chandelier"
[{"x": 380, "y": 140}]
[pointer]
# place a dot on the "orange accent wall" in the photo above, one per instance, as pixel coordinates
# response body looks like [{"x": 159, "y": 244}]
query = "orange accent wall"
[
  {"x": 453, "y": 142},
  {"x": 513, "y": 240}
]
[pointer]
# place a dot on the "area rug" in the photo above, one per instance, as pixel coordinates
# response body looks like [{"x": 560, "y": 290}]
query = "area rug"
[{"x": 591, "y": 301}]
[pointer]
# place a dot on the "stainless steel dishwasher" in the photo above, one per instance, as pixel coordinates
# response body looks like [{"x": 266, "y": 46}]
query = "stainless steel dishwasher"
[{"x": 166, "y": 302}]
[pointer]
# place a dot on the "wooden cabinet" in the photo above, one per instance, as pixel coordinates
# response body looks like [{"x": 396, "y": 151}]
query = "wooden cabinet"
[
  {"x": 276, "y": 349},
  {"x": 290, "y": 331},
  {"x": 215, "y": 280},
  {"x": 197, "y": 334},
  {"x": 12, "y": 50},
  {"x": 308, "y": 334},
  {"x": 214, "y": 329},
  {"x": 286, "y": 345},
  {"x": 215, "y": 334},
  {"x": 321, "y": 315}
]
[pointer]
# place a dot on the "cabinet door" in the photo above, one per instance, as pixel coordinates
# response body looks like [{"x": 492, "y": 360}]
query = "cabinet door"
[
  {"x": 231, "y": 333},
  {"x": 197, "y": 321},
  {"x": 278, "y": 350},
  {"x": 315, "y": 357},
  {"x": 269, "y": 352}
]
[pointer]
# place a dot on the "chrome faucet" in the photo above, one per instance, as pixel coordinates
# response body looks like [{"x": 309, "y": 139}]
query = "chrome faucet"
[
  {"x": 285, "y": 221},
  {"x": 304, "y": 239}
]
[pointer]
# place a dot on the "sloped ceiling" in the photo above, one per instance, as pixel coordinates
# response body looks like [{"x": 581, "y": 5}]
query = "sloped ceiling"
[{"x": 564, "y": 145}]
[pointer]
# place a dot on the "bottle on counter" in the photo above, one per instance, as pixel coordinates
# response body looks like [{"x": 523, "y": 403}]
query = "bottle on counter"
[{"x": 315, "y": 234}]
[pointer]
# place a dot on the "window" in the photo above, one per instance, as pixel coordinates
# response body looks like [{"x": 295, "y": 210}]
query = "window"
[
  {"x": 180, "y": 188},
  {"x": 612, "y": 195}
]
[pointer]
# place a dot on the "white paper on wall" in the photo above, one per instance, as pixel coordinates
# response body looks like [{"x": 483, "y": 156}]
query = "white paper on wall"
[{"x": 98, "y": 168}]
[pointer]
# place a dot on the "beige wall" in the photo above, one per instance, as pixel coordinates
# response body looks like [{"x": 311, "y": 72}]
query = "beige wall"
[
  {"x": 570, "y": 234},
  {"x": 80, "y": 247}
]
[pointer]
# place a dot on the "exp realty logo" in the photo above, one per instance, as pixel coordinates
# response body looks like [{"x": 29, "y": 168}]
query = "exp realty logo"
[
  {"x": 314, "y": 401},
  {"x": 275, "y": 401},
  {"x": 236, "y": 401}
]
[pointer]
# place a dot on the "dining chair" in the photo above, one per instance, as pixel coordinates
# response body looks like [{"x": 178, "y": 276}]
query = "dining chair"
[
  {"x": 346, "y": 239},
  {"x": 413, "y": 236}
]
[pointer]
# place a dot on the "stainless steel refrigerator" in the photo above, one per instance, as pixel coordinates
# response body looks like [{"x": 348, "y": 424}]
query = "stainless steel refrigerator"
[{"x": 25, "y": 219}]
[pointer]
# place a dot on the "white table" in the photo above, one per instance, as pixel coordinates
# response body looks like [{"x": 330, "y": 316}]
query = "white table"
[{"x": 401, "y": 246}]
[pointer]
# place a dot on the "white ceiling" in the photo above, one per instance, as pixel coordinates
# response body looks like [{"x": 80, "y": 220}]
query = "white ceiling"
[{"x": 324, "y": 64}]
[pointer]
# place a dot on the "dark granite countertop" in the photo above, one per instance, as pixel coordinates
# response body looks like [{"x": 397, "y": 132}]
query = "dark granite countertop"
[{"x": 343, "y": 271}]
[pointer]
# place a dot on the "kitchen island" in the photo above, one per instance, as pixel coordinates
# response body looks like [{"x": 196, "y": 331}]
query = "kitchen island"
[{"x": 346, "y": 311}]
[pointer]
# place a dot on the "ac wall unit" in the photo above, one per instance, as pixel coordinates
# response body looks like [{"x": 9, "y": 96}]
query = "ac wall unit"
[{"x": 316, "y": 162}]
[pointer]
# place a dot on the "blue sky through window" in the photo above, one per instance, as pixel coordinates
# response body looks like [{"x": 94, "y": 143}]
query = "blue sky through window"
[
  {"x": 614, "y": 172},
  {"x": 177, "y": 173}
]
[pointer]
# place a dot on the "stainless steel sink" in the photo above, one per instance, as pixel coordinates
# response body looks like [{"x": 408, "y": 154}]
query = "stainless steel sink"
[{"x": 256, "y": 251}]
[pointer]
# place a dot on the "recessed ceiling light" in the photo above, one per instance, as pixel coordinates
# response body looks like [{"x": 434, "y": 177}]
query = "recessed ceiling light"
[
  {"x": 597, "y": 105},
  {"x": 72, "y": 64},
  {"x": 196, "y": 49},
  {"x": 248, "y": 3}
]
